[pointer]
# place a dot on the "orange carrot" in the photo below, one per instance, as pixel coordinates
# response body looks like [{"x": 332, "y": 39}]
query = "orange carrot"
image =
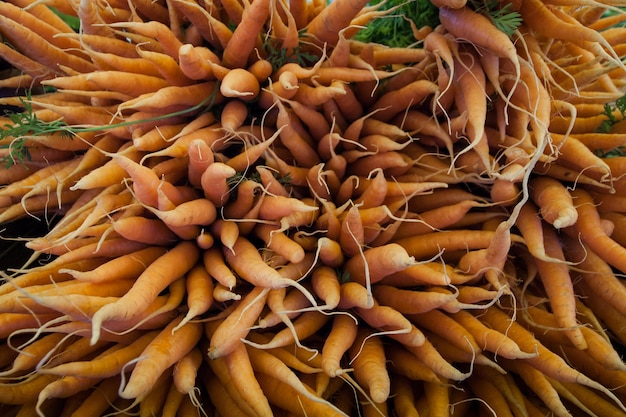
[
  {"x": 324, "y": 28},
  {"x": 367, "y": 357},
  {"x": 244, "y": 38},
  {"x": 154, "y": 363},
  {"x": 168, "y": 268},
  {"x": 228, "y": 335},
  {"x": 342, "y": 335}
]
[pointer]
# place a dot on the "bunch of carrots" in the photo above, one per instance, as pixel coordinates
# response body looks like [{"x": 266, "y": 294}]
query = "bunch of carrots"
[{"x": 252, "y": 213}]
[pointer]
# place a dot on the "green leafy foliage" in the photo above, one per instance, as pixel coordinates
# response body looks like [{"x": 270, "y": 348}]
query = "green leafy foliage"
[
  {"x": 395, "y": 29},
  {"x": 503, "y": 17},
  {"x": 607, "y": 125},
  {"x": 279, "y": 56},
  {"x": 72, "y": 21},
  {"x": 24, "y": 124}
]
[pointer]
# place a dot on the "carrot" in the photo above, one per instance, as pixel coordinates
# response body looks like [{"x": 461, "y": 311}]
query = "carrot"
[
  {"x": 460, "y": 22},
  {"x": 324, "y": 28},
  {"x": 489, "y": 339},
  {"x": 396, "y": 101},
  {"x": 538, "y": 17},
  {"x": 186, "y": 372},
  {"x": 493, "y": 257},
  {"x": 224, "y": 396},
  {"x": 546, "y": 360},
  {"x": 589, "y": 228},
  {"x": 403, "y": 399},
  {"x": 199, "y": 293},
  {"x": 373, "y": 264},
  {"x": 554, "y": 200},
  {"x": 342, "y": 335},
  {"x": 539, "y": 384},
  {"x": 557, "y": 282},
  {"x": 391, "y": 323},
  {"x": 110, "y": 363},
  {"x": 596, "y": 273},
  {"x": 144, "y": 230},
  {"x": 304, "y": 326},
  {"x": 40, "y": 49},
  {"x": 244, "y": 38},
  {"x": 409, "y": 301},
  {"x": 99, "y": 400},
  {"x": 25, "y": 391},
  {"x": 598, "y": 348},
  {"x": 200, "y": 212},
  {"x": 429, "y": 355},
  {"x": 154, "y": 362},
  {"x": 214, "y": 182},
  {"x": 436, "y": 321},
  {"x": 283, "y": 396},
  {"x": 215, "y": 265},
  {"x": 193, "y": 61},
  {"x": 228, "y": 335},
  {"x": 268, "y": 364},
  {"x": 488, "y": 392},
  {"x": 240, "y": 368},
  {"x": 28, "y": 357},
  {"x": 178, "y": 98},
  {"x": 241, "y": 84},
  {"x": 156, "y": 277},
  {"x": 367, "y": 357}
]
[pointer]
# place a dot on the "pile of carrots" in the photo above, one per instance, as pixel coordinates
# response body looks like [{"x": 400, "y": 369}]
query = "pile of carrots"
[{"x": 251, "y": 213}]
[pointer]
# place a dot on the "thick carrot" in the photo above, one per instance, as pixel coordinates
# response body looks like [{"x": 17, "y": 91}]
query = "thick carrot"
[
  {"x": 227, "y": 336},
  {"x": 286, "y": 397},
  {"x": 375, "y": 263},
  {"x": 161, "y": 353},
  {"x": 249, "y": 265},
  {"x": 324, "y": 28},
  {"x": 590, "y": 230},
  {"x": 156, "y": 277},
  {"x": 367, "y": 357},
  {"x": 28, "y": 357},
  {"x": 244, "y": 38}
]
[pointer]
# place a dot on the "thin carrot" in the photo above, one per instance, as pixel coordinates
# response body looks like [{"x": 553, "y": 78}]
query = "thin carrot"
[
  {"x": 489, "y": 339},
  {"x": 110, "y": 363},
  {"x": 186, "y": 372},
  {"x": 546, "y": 360}
]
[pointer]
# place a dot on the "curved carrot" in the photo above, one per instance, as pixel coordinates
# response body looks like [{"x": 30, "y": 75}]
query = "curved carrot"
[
  {"x": 156, "y": 277},
  {"x": 244, "y": 38},
  {"x": 153, "y": 363},
  {"x": 367, "y": 357},
  {"x": 227, "y": 336}
]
